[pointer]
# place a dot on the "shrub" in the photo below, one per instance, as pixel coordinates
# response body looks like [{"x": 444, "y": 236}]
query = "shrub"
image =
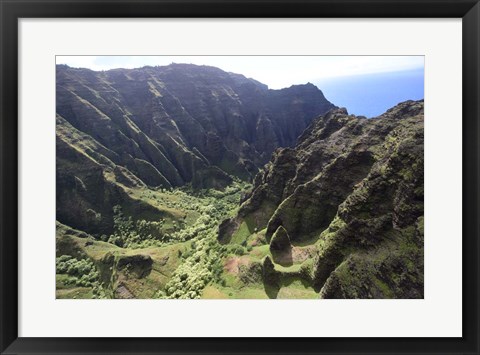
[
  {"x": 133, "y": 234},
  {"x": 81, "y": 272}
]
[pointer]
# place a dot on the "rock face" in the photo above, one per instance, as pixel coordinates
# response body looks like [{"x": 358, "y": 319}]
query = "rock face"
[
  {"x": 165, "y": 127},
  {"x": 138, "y": 266},
  {"x": 86, "y": 183},
  {"x": 280, "y": 240},
  {"x": 353, "y": 187},
  {"x": 166, "y": 123},
  {"x": 270, "y": 276}
]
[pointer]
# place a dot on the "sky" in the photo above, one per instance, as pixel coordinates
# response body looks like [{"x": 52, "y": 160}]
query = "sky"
[
  {"x": 365, "y": 85},
  {"x": 371, "y": 95}
]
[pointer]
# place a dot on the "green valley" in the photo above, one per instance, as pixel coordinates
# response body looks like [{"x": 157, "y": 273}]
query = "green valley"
[
  {"x": 177, "y": 257},
  {"x": 189, "y": 182}
]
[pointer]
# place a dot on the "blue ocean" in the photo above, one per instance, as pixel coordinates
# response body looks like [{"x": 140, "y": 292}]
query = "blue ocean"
[{"x": 371, "y": 95}]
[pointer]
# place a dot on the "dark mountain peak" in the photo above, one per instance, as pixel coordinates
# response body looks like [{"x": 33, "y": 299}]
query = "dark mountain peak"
[
  {"x": 178, "y": 124},
  {"x": 405, "y": 109},
  {"x": 193, "y": 69},
  {"x": 339, "y": 110},
  {"x": 301, "y": 88},
  {"x": 302, "y": 93},
  {"x": 351, "y": 189},
  {"x": 324, "y": 125},
  {"x": 337, "y": 114},
  {"x": 309, "y": 85},
  {"x": 62, "y": 66}
]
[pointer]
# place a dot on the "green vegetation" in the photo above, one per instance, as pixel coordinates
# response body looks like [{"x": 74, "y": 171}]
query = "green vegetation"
[
  {"x": 80, "y": 273},
  {"x": 152, "y": 164},
  {"x": 177, "y": 256},
  {"x": 134, "y": 234}
]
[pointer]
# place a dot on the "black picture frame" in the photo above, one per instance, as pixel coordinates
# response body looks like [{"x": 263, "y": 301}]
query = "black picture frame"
[{"x": 12, "y": 10}]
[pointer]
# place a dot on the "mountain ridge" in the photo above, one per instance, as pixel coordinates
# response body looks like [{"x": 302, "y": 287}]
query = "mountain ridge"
[
  {"x": 351, "y": 186},
  {"x": 167, "y": 127}
]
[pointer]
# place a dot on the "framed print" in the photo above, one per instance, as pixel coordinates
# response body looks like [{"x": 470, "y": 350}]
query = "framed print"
[{"x": 224, "y": 177}]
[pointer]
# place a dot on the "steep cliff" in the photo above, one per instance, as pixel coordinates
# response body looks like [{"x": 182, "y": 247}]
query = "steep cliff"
[
  {"x": 351, "y": 190},
  {"x": 165, "y": 127}
]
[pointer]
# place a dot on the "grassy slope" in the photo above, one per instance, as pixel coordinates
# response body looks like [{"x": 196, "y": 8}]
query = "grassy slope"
[{"x": 195, "y": 265}]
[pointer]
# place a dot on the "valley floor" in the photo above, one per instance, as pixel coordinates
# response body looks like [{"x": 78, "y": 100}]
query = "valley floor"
[{"x": 177, "y": 256}]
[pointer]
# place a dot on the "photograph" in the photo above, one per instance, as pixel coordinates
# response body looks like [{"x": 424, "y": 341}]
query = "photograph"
[
  {"x": 218, "y": 177},
  {"x": 239, "y": 177}
]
